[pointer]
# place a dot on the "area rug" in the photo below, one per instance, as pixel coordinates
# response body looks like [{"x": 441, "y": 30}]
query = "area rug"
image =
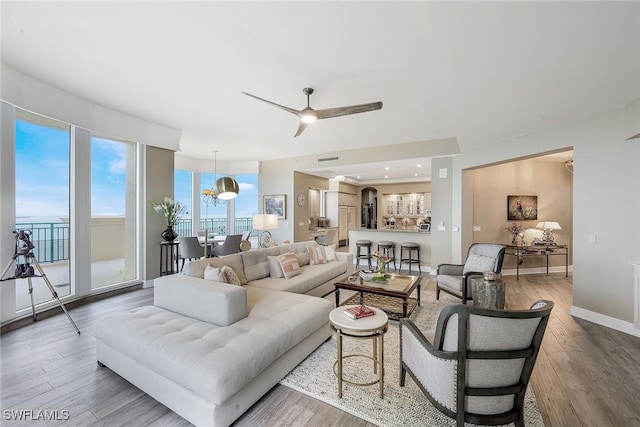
[{"x": 401, "y": 406}]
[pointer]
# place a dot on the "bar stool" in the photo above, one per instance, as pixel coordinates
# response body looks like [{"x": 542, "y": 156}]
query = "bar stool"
[
  {"x": 388, "y": 248},
  {"x": 410, "y": 246},
  {"x": 363, "y": 244}
]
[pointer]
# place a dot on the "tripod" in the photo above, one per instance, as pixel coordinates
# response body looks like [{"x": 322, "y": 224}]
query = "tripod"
[{"x": 26, "y": 271}]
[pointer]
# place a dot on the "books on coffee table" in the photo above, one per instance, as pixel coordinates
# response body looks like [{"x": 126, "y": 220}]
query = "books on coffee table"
[{"x": 358, "y": 312}]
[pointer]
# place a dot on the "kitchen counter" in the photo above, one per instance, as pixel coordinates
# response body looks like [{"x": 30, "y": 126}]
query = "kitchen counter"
[
  {"x": 397, "y": 230},
  {"x": 398, "y": 236}
]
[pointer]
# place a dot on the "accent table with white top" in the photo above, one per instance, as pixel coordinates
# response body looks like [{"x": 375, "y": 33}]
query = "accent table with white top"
[{"x": 372, "y": 327}]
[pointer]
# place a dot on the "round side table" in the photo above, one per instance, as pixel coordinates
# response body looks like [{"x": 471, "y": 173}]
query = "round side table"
[
  {"x": 371, "y": 327},
  {"x": 487, "y": 293}
]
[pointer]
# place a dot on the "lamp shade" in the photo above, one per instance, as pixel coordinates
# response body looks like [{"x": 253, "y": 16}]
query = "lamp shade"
[
  {"x": 227, "y": 188},
  {"x": 548, "y": 225},
  {"x": 265, "y": 222}
]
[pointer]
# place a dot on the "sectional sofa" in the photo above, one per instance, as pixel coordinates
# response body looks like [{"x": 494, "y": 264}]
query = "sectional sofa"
[{"x": 208, "y": 350}]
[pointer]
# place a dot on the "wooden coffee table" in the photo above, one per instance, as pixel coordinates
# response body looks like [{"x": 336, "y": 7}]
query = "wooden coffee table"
[{"x": 393, "y": 296}]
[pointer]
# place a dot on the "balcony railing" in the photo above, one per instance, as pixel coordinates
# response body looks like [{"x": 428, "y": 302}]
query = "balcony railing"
[
  {"x": 51, "y": 239},
  {"x": 216, "y": 225}
]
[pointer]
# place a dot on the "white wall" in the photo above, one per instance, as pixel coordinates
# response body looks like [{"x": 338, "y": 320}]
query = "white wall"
[
  {"x": 606, "y": 204},
  {"x": 33, "y": 95},
  {"x": 276, "y": 176}
]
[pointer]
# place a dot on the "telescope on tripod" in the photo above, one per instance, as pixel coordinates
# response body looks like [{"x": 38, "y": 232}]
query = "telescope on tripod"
[{"x": 25, "y": 270}]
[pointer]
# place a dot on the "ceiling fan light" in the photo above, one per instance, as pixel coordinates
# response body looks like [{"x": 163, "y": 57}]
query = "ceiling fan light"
[
  {"x": 227, "y": 188},
  {"x": 308, "y": 118}
]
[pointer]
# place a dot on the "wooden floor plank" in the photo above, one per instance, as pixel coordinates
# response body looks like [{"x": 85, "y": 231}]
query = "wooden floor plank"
[{"x": 586, "y": 374}]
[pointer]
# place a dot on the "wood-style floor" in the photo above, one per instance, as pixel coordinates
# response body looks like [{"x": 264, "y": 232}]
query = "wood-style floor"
[{"x": 586, "y": 375}]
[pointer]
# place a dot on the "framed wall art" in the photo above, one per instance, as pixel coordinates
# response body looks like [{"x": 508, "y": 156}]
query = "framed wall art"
[
  {"x": 275, "y": 204},
  {"x": 522, "y": 208}
]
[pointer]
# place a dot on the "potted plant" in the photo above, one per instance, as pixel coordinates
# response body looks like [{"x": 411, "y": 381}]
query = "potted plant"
[{"x": 171, "y": 210}]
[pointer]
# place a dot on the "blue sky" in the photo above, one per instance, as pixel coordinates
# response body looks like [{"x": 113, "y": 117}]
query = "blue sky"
[{"x": 42, "y": 177}]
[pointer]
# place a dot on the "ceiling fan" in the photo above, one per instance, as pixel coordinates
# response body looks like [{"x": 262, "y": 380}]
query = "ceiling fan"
[{"x": 309, "y": 115}]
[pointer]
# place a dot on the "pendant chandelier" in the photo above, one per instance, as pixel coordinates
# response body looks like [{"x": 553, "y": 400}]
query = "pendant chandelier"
[{"x": 225, "y": 188}]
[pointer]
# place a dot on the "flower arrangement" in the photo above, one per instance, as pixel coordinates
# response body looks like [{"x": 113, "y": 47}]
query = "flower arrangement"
[
  {"x": 516, "y": 229},
  {"x": 382, "y": 262},
  {"x": 170, "y": 209}
]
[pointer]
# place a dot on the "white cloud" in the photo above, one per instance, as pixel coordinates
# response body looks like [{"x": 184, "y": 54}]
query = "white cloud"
[{"x": 246, "y": 186}]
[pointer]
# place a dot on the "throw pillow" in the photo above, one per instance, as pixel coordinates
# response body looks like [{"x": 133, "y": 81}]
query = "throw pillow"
[
  {"x": 275, "y": 271},
  {"x": 230, "y": 275},
  {"x": 479, "y": 263},
  {"x": 330, "y": 252},
  {"x": 289, "y": 265},
  {"x": 316, "y": 255},
  {"x": 213, "y": 273}
]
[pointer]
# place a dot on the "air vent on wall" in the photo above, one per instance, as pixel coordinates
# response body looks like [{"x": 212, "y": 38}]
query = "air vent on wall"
[{"x": 328, "y": 159}]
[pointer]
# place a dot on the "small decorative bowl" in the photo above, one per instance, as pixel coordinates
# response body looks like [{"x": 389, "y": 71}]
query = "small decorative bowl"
[{"x": 489, "y": 275}]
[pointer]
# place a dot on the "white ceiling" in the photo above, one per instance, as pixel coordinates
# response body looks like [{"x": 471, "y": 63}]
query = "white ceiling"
[{"x": 477, "y": 71}]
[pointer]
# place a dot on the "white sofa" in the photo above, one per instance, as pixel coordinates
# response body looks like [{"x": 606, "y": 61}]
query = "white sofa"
[{"x": 209, "y": 350}]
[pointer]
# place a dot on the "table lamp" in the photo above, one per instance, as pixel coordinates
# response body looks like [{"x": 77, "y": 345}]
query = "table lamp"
[
  {"x": 548, "y": 227},
  {"x": 265, "y": 222}
]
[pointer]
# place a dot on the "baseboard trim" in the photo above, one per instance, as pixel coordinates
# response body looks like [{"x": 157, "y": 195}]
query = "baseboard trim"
[
  {"x": 537, "y": 270},
  {"x": 27, "y": 319},
  {"x": 604, "y": 320}
]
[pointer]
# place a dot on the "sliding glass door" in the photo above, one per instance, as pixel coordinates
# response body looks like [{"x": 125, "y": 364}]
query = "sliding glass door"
[{"x": 42, "y": 152}]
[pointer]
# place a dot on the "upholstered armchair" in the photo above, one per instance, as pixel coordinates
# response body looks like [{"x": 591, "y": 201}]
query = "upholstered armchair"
[
  {"x": 477, "y": 366},
  {"x": 231, "y": 245},
  {"x": 454, "y": 278},
  {"x": 189, "y": 248},
  {"x": 327, "y": 238}
]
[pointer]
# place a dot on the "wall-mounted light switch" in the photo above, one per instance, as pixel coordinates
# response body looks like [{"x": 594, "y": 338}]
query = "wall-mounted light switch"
[
  {"x": 477, "y": 228},
  {"x": 592, "y": 238}
]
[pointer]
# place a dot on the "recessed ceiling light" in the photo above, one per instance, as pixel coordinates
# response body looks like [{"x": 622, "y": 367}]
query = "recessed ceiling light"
[
  {"x": 386, "y": 176},
  {"x": 416, "y": 174},
  {"x": 419, "y": 165},
  {"x": 358, "y": 176},
  {"x": 387, "y": 168}
]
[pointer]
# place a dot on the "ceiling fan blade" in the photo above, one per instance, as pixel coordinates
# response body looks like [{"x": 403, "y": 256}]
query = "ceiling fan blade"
[
  {"x": 301, "y": 127},
  {"x": 290, "y": 110},
  {"x": 345, "y": 111}
]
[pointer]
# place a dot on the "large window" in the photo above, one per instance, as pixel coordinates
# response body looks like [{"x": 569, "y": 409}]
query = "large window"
[
  {"x": 113, "y": 219},
  {"x": 246, "y": 204},
  {"x": 183, "y": 190},
  {"x": 212, "y": 218},
  {"x": 42, "y": 202}
]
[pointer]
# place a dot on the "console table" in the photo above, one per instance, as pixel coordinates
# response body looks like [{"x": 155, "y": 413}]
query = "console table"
[
  {"x": 169, "y": 253},
  {"x": 521, "y": 252}
]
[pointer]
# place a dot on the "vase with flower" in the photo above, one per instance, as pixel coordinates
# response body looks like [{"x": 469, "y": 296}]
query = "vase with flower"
[
  {"x": 171, "y": 210},
  {"x": 381, "y": 265},
  {"x": 517, "y": 230}
]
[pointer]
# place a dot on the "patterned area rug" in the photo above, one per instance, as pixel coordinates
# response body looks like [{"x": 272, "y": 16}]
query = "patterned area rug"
[{"x": 401, "y": 406}]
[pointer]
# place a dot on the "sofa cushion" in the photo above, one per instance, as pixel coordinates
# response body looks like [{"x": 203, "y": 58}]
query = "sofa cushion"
[
  {"x": 316, "y": 255},
  {"x": 213, "y": 273},
  {"x": 256, "y": 263},
  {"x": 289, "y": 265},
  {"x": 310, "y": 277},
  {"x": 479, "y": 263},
  {"x": 275, "y": 270},
  {"x": 213, "y": 362},
  {"x": 229, "y": 275},
  {"x": 330, "y": 252},
  {"x": 218, "y": 303},
  {"x": 196, "y": 268}
]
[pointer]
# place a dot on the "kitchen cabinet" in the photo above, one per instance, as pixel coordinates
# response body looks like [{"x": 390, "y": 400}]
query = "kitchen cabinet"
[
  {"x": 314, "y": 202},
  {"x": 342, "y": 216},
  {"x": 406, "y": 210},
  {"x": 411, "y": 204}
]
